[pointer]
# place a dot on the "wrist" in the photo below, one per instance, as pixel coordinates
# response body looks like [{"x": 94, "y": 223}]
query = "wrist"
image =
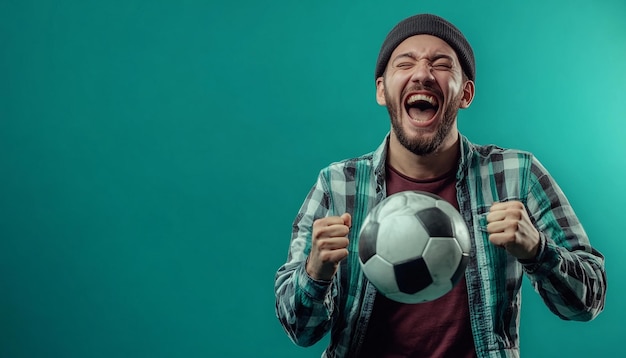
[{"x": 536, "y": 256}]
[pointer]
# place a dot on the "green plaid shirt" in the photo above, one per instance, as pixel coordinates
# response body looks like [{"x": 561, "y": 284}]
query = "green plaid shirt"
[{"x": 568, "y": 273}]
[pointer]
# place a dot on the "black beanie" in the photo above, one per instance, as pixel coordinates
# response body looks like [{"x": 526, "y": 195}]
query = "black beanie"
[{"x": 427, "y": 24}]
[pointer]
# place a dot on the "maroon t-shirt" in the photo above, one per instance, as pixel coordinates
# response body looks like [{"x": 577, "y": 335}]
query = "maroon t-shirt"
[{"x": 439, "y": 328}]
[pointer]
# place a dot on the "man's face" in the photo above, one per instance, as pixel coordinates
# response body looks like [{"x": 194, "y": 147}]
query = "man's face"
[{"x": 423, "y": 88}]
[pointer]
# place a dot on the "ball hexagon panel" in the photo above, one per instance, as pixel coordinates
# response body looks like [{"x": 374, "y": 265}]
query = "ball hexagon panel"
[
  {"x": 391, "y": 205},
  {"x": 442, "y": 256},
  {"x": 401, "y": 238},
  {"x": 381, "y": 273}
]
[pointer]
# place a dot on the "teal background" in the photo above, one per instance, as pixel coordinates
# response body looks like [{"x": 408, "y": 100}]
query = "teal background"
[{"x": 153, "y": 155}]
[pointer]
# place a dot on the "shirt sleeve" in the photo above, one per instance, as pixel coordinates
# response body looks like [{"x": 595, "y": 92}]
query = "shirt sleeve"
[
  {"x": 305, "y": 306},
  {"x": 568, "y": 272}
]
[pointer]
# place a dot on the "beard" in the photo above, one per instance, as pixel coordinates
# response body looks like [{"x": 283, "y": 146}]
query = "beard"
[{"x": 421, "y": 144}]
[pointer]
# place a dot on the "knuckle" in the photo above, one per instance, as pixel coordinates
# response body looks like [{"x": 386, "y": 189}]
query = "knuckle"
[
  {"x": 326, "y": 256},
  {"x": 323, "y": 255},
  {"x": 321, "y": 231},
  {"x": 316, "y": 235},
  {"x": 323, "y": 244}
]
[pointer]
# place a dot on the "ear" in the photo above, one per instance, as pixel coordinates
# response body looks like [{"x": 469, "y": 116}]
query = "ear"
[
  {"x": 468, "y": 94},
  {"x": 380, "y": 91}
]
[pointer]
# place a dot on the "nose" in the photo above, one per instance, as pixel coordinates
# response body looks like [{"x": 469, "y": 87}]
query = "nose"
[{"x": 422, "y": 73}]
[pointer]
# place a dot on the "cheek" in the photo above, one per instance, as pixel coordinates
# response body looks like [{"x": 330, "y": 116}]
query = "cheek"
[
  {"x": 454, "y": 85},
  {"x": 455, "y": 88},
  {"x": 398, "y": 80},
  {"x": 395, "y": 86}
]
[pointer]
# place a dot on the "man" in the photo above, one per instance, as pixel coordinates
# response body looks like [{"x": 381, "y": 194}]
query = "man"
[{"x": 519, "y": 219}]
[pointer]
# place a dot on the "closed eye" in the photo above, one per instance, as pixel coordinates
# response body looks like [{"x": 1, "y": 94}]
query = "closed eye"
[
  {"x": 404, "y": 60},
  {"x": 404, "y": 65},
  {"x": 442, "y": 64}
]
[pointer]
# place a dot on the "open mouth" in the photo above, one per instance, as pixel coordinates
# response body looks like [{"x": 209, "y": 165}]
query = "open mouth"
[{"x": 421, "y": 107}]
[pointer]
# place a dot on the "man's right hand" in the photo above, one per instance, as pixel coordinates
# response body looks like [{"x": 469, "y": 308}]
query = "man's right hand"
[{"x": 329, "y": 246}]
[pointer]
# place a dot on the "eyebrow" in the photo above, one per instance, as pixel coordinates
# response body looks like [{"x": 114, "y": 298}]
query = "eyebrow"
[{"x": 440, "y": 56}]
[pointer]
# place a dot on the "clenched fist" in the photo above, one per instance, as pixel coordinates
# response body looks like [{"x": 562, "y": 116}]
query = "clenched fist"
[
  {"x": 509, "y": 226},
  {"x": 329, "y": 246}
]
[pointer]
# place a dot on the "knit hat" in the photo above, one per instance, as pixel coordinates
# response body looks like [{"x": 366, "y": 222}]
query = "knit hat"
[{"x": 427, "y": 24}]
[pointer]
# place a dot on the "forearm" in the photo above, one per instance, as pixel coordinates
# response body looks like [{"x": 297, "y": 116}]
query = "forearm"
[
  {"x": 304, "y": 306},
  {"x": 569, "y": 273},
  {"x": 571, "y": 283},
  {"x": 301, "y": 302}
]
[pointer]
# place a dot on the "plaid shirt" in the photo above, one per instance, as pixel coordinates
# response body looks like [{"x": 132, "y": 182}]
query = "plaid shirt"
[{"x": 568, "y": 273}]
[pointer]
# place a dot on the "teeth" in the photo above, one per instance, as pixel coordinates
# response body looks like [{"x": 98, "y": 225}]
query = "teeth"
[{"x": 422, "y": 97}]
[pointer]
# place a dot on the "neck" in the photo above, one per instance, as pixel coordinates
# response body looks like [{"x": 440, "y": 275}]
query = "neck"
[{"x": 428, "y": 166}]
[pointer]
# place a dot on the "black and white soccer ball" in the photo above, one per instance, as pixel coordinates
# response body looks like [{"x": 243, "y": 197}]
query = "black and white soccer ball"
[{"x": 414, "y": 247}]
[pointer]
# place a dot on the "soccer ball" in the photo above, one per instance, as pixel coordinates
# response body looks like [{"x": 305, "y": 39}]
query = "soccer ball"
[{"x": 414, "y": 247}]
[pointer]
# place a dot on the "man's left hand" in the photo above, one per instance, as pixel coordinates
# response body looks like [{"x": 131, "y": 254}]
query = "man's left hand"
[{"x": 510, "y": 227}]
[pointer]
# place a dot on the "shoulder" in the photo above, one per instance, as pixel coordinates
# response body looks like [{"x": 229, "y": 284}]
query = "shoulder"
[
  {"x": 491, "y": 154},
  {"x": 489, "y": 151},
  {"x": 491, "y": 159},
  {"x": 365, "y": 159},
  {"x": 346, "y": 170},
  {"x": 369, "y": 163}
]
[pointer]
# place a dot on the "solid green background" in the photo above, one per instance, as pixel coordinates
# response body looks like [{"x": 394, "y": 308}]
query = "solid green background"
[{"x": 153, "y": 156}]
